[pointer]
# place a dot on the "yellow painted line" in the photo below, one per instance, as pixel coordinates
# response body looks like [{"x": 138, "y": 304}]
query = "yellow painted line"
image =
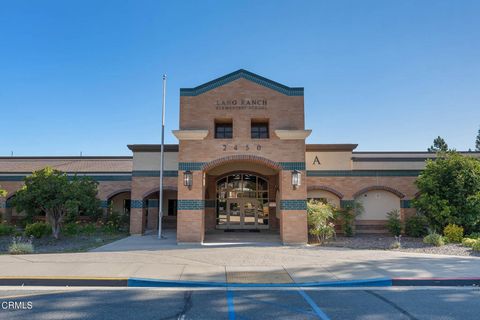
[{"x": 61, "y": 277}]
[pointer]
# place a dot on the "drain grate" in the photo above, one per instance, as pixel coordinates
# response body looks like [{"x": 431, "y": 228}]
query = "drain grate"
[{"x": 277, "y": 276}]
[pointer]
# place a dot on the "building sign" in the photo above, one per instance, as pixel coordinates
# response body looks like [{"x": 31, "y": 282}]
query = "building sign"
[
  {"x": 241, "y": 104},
  {"x": 241, "y": 147}
]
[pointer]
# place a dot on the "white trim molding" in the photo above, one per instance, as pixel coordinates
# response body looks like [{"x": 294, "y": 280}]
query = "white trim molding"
[
  {"x": 293, "y": 134},
  {"x": 190, "y": 134}
]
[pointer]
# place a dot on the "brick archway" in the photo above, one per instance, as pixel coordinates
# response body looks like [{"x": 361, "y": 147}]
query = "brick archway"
[
  {"x": 384, "y": 188},
  {"x": 248, "y": 158},
  {"x": 165, "y": 188},
  {"x": 116, "y": 192},
  {"x": 326, "y": 188}
]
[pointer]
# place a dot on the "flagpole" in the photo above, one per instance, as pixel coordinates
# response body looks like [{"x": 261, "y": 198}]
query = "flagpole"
[{"x": 162, "y": 161}]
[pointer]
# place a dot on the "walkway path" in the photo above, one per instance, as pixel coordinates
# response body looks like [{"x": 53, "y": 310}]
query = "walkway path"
[{"x": 151, "y": 258}]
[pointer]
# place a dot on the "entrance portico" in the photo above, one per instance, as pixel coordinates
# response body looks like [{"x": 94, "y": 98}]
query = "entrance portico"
[{"x": 241, "y": 141}]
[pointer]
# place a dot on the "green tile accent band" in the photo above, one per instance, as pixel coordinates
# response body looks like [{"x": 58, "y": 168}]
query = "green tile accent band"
[
  {"x": 406, "y": 204},
  {"x": 192, "y": 166},
  {"x": 363, "y": 173},
  {"x": 293, "y": 204},
  {"x": 154, "y": 173},
  {"x": 190, "y": 92},
  {"x": 137, "y": 204},
  {"x": 94, "y": 177},
  {"x": 293, "y": 165},
  {"x": 211, "y": 203},
  {"x": 190, "y": 204},
  {"x": 345, "y": 203},
  {"x": 152, "y": 203},
  {"x": 103, "y": 204},
  {"x": 195, "y": 166}
]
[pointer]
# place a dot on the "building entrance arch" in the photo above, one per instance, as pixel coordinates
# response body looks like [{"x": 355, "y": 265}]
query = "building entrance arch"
[{"x": 242, "y": 202}]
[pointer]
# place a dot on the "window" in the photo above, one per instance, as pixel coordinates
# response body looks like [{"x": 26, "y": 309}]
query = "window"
[
  {"x": 260, "y": 130},
  {"x": 223, "y": 130}
]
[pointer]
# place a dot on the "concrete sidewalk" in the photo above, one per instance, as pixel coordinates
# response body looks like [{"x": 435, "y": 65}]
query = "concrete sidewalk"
[{"x": 147, "y": 257}]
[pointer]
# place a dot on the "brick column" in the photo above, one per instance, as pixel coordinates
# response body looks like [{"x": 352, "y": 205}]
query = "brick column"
[
  {"x": 293, "y": 209},
  {"x": 191, "y": 209},
  {"x": 152, "y": 223}
]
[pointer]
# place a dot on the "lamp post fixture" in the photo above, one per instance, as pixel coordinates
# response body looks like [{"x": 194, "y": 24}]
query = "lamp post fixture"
[
  {"x": 296, "y": 179},
  {"x": 188, "y": 179}
]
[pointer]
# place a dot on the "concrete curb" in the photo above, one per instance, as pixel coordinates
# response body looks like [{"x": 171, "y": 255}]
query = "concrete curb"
[
  {"x": 157, "y": 283},
  {"x": 64, "y": 281},
  {"x": 142, "y": 282},
  {"x": 435, "y": 282}
]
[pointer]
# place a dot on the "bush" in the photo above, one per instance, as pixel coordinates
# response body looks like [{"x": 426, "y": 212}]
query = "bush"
[
  {"x": 476, "y": 246},
  {"x": 474, "y": 235},
  {"x": 394, "y": 225},
  {"x": 21, "y": 245},
  {"x": 37, "y": 229},
  {"x": 469, "y": 242},
  {"x": 71, "y": 229},
  {"x": 6, "y": 230},
  {"x": 88, "y": 228},
  {"x": 434, "y": 239},
  {"x": 347, "y": 216},
  {"x": 416, "y": 226},
  {"x": 320, "y": 218},
  {"x": 116, "y": 222},
  {"x": 453, "y": 233}
]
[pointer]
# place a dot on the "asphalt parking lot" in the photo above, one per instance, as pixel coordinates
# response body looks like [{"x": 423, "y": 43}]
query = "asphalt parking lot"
[{"x": 294, "y": 303}]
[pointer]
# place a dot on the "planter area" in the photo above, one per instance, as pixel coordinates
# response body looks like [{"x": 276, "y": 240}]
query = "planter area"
[
  {"x": 74, "y": 243},
  {"x": 408, "y": 244}
]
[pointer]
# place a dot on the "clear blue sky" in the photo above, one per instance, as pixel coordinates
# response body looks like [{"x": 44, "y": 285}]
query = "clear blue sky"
[{"x": 84, "y": 75}]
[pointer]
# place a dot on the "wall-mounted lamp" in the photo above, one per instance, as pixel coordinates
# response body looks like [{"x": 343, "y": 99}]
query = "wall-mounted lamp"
[
  {"x": 296, "y": 179},
  {"x": 188, "y": 178}
]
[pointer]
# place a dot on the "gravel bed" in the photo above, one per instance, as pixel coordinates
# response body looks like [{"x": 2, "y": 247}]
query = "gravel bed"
[
  {"x": 384, "y": 242},
  {"x": 76, "y": 243}
]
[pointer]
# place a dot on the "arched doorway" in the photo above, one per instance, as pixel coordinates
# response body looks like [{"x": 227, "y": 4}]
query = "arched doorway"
[{"x": 242, "y": 201}]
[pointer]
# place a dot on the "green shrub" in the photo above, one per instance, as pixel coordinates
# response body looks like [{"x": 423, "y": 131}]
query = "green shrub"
[
  {"x": 116, "y": 222},
  {"x": 476, "y": 246},
  {"x": 88, "y": 228},
  {"x": 469, "y": 242},
  {"x": 347, "y": 216},
  {"x": 434, "y": 239},
  {"x": 416, "y": 226},
  {"x": 6, "y": 230},
  {"x": 37, "y": 229},
  {"x": 474, "y": 235},
  {"x": 319, "y": 217},
  {"x": 71, "y": 228},
  {"x": 394, "y": 225},
  {"x": 21, "y": 245},
  {"x": 453, "y": 233}
]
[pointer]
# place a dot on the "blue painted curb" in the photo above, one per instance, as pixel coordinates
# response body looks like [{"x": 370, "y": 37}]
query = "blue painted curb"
[{"x": 143, "y": 282}]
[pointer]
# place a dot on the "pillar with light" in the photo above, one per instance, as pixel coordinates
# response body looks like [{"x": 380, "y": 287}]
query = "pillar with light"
[
  {"x": 296, "y": 179},
  {"x": 188, "y": 179}
]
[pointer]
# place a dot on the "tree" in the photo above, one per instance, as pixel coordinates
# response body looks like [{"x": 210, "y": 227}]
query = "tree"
[
  {"x": 450, "y": 191},
  {"x": 439, "y": 145},
  {"x": 477, "y": 141},
  {"x": 3, "y": 193},
  {"x": 50, "y": 192}
]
